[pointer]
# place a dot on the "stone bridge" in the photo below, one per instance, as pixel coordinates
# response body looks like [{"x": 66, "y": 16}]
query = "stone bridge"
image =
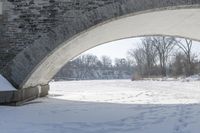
[{"x": 37, "y": 37}]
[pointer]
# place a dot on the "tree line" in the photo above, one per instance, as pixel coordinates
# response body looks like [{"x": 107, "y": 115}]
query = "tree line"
[
  {"x": 90, "y": 67},
  {"x": 157, "y": 56},
  {"x": 164, "y": 56}
]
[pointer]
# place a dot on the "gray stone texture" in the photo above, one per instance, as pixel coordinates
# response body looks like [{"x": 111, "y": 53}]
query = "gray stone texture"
[
  {"x": 32, "y": 29},
  {"x": 22, "y": 96}
]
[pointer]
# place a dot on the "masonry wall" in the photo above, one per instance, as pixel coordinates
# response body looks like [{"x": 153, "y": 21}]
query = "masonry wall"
[{"x": 25, "y": 21}]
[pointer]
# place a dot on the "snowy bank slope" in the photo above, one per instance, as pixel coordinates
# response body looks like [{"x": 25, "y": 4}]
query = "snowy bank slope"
[{"x": 5, "y": 85}]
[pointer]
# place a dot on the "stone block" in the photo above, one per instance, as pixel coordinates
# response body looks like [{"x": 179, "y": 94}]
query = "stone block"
[{"x": 19, "y": 97}]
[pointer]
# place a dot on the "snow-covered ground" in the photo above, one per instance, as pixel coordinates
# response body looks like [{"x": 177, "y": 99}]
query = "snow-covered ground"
[
  {"x": 119, "y": 106},
  {"x": 128, "y": 92}
]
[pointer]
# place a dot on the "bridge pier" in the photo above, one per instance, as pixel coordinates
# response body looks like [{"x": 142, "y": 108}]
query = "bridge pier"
[{"x": 16, "y": 98}]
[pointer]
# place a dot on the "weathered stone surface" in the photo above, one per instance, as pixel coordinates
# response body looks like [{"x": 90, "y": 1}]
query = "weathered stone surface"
[
  {"x": 1, "y": 8},
  {"x": 24, "y": 95},
  {"x": 38, "y": 27}
]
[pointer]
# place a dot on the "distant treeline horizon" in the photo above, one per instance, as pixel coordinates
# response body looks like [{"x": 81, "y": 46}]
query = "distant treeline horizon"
[{"x": 157, "y": 56}]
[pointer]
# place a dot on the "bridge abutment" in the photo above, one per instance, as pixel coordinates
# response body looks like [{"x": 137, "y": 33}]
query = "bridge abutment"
[{"x": 19, "y": 97}]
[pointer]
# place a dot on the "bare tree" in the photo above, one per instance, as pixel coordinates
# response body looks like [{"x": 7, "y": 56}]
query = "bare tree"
[
  {"x": 123, "y": 68},
  {"x": 164, "y": 46},
  {"x": 138, "y": 56},
  {"x": 89, "y": 64},
  {"x": 186, "y": 47},
  {"x": 145, "y": 57},
  {"x": 150, "y": 53},
  {"x": 106, "y": 61},
  {"x": 178, "y": 64}
]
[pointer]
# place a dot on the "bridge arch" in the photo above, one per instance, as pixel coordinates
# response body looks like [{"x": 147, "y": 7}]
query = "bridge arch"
[{"x": 40, "y": 61}]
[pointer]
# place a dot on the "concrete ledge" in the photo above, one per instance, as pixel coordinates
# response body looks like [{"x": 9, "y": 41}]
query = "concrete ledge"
[{"x": 19, "y": 97}]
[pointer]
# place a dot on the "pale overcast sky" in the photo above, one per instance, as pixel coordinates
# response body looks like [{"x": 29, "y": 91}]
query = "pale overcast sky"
[{"x": 118, "y": 49}]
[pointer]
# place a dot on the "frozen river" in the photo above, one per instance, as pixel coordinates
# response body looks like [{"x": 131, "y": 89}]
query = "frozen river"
[{"x": 115, "y": 106}]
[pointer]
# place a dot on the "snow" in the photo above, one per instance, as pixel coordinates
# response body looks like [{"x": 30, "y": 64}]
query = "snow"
[
  {"x": 115, "y": 106},
  {"x": 5, "y": 85},
  {"x": 193, "y": 78},
  {"x": 128, "y": 92}
]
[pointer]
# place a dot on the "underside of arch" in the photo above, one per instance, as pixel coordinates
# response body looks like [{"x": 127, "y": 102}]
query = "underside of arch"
[{"x": 179, "y": 23}]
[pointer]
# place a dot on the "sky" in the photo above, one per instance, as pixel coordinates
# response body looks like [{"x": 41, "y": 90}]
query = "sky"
[
  {"x": 119, "y": 49},
  {"x": 116, "y": 49}
]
